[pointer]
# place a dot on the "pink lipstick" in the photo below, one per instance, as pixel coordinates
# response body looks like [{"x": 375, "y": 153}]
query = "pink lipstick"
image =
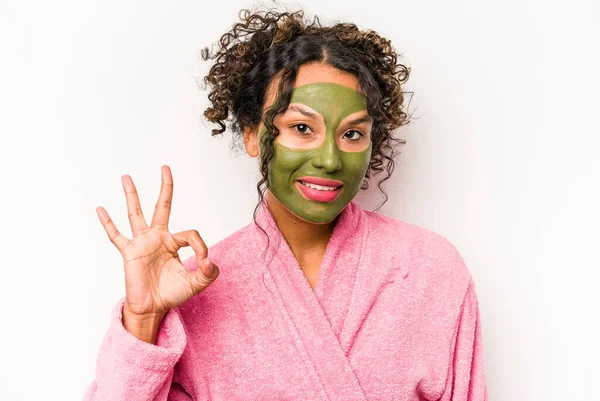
[{"x": 319, "y": 189}]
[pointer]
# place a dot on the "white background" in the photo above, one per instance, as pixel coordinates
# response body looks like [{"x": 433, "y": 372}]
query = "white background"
[{"x": 502, "y": 160}]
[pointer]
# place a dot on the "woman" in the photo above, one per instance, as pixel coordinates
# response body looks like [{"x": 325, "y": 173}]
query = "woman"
[{"x": 317, "y": 298}]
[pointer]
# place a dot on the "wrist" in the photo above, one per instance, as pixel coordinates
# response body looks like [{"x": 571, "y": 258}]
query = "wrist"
[{"x": 143, "y": 327}]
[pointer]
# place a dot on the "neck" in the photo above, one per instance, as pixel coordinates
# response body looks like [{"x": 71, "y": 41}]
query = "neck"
[{"x": 302, "y": 236}]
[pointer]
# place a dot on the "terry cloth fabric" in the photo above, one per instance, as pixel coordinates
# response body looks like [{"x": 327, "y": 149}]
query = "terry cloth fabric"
[{"x": 393, "y": 316}]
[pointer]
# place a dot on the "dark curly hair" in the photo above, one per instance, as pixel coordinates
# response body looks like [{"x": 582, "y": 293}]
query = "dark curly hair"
[{"x": 266, "y": 44}]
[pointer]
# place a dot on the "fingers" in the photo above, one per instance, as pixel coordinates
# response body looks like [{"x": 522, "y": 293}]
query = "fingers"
[
  {"x": 113, "y": 234},
  {"x": 192, "y": 238},
  {"x": 162, "y": 210},
  {"x": 134, "y": 210}
]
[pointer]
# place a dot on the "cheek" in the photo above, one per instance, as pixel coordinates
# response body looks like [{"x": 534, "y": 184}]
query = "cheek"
[
  {"x": 286, "y": 160},
  {"x": 357, "y": 163},
  {"x": 367, "y": 157}
]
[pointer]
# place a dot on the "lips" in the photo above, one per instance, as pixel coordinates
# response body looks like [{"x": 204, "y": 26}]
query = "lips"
[
  {"x": 321, "y": 181},
  {"x": 318, "y": 195}
]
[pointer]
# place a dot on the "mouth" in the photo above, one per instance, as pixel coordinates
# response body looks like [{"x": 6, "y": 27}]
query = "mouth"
[
  {"x": 319, "y": 189},
  {"x": 318, "y": 182}
]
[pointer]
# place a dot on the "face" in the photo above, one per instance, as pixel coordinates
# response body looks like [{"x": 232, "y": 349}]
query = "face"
[{"x": 323, "y": 148}]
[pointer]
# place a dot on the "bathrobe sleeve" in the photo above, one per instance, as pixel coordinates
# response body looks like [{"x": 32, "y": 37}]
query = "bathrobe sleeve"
[
  {"x": 466, "y": 375},
  {"x": 130, "y": 369}
]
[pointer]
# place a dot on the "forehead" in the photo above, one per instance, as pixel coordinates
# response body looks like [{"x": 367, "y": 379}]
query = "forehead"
[
  {"x": 332, "y": 100},
  {"x": 330, "y": 91},
  {"x": 312, "y": 73}
]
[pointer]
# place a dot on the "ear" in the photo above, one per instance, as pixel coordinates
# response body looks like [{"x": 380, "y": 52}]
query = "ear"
[{"x": 251, "y": 140}]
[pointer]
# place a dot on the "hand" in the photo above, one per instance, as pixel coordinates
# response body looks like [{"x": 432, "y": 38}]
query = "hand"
[{"x": 155, "y": 279}]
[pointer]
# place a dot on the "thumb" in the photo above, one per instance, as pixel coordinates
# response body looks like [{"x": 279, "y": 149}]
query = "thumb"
[
  {"x": 209, "y": 269},
  {"x": 204, "y": 275}
]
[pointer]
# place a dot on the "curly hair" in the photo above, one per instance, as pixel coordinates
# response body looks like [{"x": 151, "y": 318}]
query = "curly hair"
[{"x": 266, "y": 44}]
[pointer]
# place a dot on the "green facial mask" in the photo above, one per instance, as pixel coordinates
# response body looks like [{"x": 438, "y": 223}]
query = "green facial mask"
[{"x": 334, "y": 102}]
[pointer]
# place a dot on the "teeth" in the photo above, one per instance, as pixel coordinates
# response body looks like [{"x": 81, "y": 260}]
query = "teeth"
[{"x": 319, "y": 187}]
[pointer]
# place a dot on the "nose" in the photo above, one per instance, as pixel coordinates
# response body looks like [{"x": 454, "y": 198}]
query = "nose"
[{"x": 327, "y": 156}]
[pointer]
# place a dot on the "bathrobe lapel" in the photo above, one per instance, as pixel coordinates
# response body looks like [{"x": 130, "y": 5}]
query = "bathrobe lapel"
[{"x": 316, "y": 319}]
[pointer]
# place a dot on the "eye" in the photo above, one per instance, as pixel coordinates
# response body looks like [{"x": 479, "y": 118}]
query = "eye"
[
  {"x": 356, "y": 138},
  {"x": 302, "y": 128}
]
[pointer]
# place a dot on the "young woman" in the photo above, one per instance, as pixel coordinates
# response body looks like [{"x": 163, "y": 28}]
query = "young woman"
[{"x": 317, "y": 299}]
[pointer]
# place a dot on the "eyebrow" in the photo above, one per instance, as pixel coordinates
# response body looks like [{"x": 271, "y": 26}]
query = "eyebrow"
[
  {"x": 302, "y": 111},
  {"x": 360, "y": 120},
  {"x": 308, "y": 113}
]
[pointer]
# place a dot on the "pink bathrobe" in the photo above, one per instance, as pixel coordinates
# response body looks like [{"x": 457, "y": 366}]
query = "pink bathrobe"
[{"x": 393, "y": 316}]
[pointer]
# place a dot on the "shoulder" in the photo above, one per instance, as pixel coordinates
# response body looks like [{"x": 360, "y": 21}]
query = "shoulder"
[
  {"x": 395, "y": 230},
  {"x": 432, "y": 269},
  {"x": 425, "y": 251}
]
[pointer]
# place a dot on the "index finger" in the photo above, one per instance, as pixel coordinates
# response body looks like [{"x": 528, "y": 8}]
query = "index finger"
[{"x": 111, "y": 230}]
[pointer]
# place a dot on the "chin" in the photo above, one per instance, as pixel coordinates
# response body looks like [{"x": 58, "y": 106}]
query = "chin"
[
  {"x": 316, "y": 221},
  {"x": 317, "y": 218}
]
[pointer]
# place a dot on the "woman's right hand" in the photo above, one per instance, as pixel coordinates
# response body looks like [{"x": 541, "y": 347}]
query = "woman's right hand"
[{"x": 155, "y": 279}]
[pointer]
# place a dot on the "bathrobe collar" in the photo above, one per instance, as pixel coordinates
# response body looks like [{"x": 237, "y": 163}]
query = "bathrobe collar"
[{"x": 321, "y": 322}]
